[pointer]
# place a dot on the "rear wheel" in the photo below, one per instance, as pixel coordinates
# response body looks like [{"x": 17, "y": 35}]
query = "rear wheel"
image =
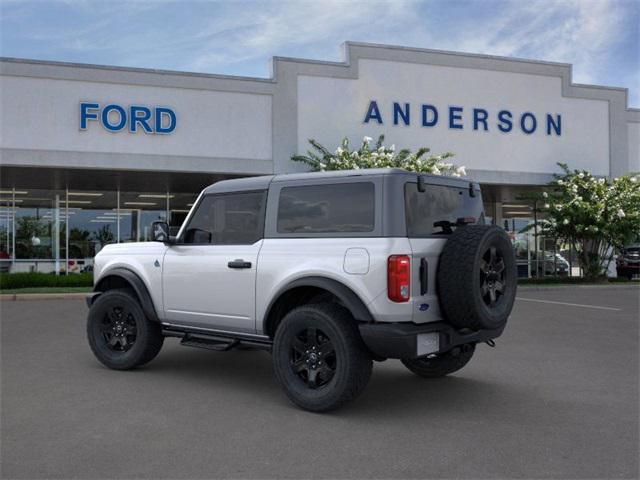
[
  {"x": 319, "y": 357},
  {"x": 442, "y": 364},
  {"x": 119, "y": 333}
]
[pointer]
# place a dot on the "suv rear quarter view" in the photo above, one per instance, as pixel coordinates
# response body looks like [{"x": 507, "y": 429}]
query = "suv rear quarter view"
[{"x": 328, "y": 271}]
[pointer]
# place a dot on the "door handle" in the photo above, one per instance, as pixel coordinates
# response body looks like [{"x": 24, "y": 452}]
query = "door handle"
[{"x": 239, "y": 263}]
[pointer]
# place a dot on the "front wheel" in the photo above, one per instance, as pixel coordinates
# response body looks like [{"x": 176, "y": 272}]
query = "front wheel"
[
  {"x": 119, "y": 333},
  {"x": 319, "y": 357},
  {"x": 443, "y": 364}
]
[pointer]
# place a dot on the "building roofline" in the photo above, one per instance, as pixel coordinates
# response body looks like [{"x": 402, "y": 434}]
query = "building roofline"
[
  {"x": 346, "y": 62},
  {"x": 132, "y": 69}
]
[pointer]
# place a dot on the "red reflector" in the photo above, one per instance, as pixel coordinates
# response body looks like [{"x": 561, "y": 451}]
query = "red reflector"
[{"x": 399, "y": 278}]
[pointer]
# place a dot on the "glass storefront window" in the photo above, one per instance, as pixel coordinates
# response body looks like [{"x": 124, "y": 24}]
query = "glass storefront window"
[
  {"x": 60, "y": 230},
  {"x": 92, "y": 225},
  {"x": 143, "y": 208}
]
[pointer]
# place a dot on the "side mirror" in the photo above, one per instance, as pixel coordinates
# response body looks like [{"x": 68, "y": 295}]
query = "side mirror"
[{"x": 160, "y": 231}]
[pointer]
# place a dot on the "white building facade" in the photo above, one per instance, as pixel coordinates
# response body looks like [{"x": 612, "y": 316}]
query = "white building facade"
[{"x": 93, "y": 154}]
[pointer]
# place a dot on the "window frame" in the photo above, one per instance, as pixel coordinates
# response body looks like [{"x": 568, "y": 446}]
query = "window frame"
[
  {"x": 273, "y": 204},
  {"x": 262, "y": 217}
]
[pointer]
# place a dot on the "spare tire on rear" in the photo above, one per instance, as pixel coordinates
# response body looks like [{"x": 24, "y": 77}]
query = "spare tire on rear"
[{"x": 477, "y": 277}]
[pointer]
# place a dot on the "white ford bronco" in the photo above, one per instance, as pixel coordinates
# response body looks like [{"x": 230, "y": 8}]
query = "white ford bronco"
[{"x": 328, "y": 271}]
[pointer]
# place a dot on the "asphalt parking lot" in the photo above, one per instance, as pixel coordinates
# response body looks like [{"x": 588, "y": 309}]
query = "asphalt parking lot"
[{"x": 557, "y": 398}]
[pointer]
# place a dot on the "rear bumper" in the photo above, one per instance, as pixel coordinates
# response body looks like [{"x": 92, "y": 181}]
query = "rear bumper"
[{"x": 408, "y": 340}]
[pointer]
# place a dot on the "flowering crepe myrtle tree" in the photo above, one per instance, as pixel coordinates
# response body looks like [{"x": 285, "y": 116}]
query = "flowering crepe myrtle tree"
[
  {"x": 377, "y": 156},
  {"x": 595, "y": 215}
]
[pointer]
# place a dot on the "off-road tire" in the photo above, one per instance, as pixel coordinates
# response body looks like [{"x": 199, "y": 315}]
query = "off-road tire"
[
  {"x": 461, "y": 282},
  {"x": 148, "y": 338},
  {"x": 352, "y": 362},
  {"x": 443, "y": 364}
]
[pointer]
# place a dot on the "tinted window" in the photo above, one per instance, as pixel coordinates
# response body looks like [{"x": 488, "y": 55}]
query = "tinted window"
[
  {"x": 342, "y": 207},
  {"x": 438, "y": 203},
  {"x": 229, "y": 219}
]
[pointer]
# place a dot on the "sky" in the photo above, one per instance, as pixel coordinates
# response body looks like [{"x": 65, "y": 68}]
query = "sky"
[{"x": 601, "y": 38}]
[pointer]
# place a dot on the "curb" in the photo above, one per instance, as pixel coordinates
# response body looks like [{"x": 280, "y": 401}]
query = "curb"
[{"x": 9, "y": 297}]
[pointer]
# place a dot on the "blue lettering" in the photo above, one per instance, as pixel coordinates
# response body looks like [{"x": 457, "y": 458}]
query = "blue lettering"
[
  {"x": 162, "y": 112},
  {"x": 455, "y": 113},
  {"x": 139, "y": 115},
  {"x": 504, "y": 117},
  {"x": 557, "y": 125},
  {"x": 399, "y": 112},
  {"x": 480, "y": 115},
  {"x": 425, "y": 115},
  {"x": 105, "y": 118},
  {"x": 373, "y": 112},
  {"x": 523, "y": 123},
  {"x": 85, "y": 114}
]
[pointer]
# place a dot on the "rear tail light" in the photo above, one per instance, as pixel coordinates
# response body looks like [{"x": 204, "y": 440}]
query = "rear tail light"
[{"x": 399, "y": 278}]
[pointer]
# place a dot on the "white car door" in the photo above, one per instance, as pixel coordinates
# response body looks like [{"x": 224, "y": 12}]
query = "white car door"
[{"x": 209, "y": 275}]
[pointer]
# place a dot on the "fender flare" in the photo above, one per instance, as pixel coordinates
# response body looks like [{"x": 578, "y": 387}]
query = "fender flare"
[
  {"x": 136, "y": 283},
  {"x": 347, "y": 296}
]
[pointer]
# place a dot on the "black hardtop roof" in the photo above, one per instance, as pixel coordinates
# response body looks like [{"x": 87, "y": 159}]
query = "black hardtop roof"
[{"x": 262, "y": 182}]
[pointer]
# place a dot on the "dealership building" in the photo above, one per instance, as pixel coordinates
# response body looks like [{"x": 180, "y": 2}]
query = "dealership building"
[{"x": 93, "y": 154}]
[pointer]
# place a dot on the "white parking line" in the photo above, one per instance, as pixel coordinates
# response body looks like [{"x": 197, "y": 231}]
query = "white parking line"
[{"x": 568, "y": 304}]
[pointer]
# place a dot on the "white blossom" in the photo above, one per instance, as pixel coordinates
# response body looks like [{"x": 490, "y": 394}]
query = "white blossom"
[
  {"x": 461, "y": 171},
  {"x": 367, "y": 139},
  {"x": 621, "y": 213},
  {"x": 565, "y": 221},
  {"x": 545, "y": 195},
  {"x": 546, "y": 205}
]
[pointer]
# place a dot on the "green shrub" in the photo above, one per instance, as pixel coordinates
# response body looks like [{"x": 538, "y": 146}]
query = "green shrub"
[{"x": 34, "y": 279}]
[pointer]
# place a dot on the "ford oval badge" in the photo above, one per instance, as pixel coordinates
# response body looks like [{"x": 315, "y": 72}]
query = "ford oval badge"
[{"x": 424, "y": 307}]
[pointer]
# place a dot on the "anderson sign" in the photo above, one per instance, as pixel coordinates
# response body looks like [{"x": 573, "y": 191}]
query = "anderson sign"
[{"x": 460, "y": 118}]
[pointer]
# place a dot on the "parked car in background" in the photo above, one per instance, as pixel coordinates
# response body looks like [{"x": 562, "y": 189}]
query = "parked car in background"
[
  {"x": 628, "y": 262},
  {"x": 553, "y": 264}
]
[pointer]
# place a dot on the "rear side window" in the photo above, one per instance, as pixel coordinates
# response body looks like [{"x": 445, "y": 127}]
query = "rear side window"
[
  {"x": 327, "y": 208},
  {"x": 227, "y": 219},
  {"x": 438, "y": 203}
]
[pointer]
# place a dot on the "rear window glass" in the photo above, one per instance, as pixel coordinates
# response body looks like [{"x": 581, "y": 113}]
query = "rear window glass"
[
  {"x": 329, "y": 208},
  {"x": 438, "y": 203}
]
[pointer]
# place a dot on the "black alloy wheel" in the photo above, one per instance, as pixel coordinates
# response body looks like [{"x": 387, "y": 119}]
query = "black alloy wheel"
[
  {"x": 313, "y": 357},
  {"x": 119, "y": 329},
  {"x": 492, "y": 278}
]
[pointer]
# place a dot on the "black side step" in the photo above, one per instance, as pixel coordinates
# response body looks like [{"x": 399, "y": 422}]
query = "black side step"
[
  {"x": 219, "y": 341},
  {"x": 211, "y": 343}
]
